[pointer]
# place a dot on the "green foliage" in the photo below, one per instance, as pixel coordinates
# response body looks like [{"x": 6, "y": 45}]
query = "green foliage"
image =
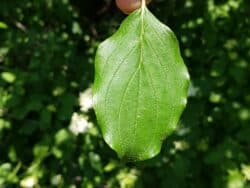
[
  {"x": 48, "y": 134},
  {"x": 140, "y": 86}
]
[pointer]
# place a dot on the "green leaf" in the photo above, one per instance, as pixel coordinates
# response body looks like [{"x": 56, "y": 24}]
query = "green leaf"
[
  {"x": 8, "y": 77},
  {"x": 3, "y": 25},
  {"x": 140, "y": 87}
]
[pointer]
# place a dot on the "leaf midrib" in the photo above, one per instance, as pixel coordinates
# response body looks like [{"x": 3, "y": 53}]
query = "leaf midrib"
[
  {"x": 132, "y": 77},
  {"x": 139, "y": 67}
]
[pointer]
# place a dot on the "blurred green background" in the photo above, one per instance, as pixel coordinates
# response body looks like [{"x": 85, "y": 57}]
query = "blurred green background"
[{"x": 48, "y": 132}]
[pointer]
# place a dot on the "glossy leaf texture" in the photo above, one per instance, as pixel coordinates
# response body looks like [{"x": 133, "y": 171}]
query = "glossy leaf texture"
[{"x": 140, "y": 87}]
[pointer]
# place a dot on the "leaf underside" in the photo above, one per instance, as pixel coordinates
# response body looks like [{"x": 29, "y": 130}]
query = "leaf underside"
[{"x": 140, "y": 87}]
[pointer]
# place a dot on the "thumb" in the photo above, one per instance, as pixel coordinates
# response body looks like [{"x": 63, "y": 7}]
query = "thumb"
[{"x": 128, "y": 6}]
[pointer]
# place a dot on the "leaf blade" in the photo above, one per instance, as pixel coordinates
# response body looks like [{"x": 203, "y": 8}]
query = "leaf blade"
[{"x": 133, "y": 107}]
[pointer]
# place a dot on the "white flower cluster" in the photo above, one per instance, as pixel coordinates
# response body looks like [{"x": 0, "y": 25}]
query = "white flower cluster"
[
  {"x": 85, "y": 100},
  {"x": 79, "y": 124}
]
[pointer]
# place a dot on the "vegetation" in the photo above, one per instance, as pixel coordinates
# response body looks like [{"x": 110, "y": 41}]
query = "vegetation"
[{"x": 48, "y": 132}]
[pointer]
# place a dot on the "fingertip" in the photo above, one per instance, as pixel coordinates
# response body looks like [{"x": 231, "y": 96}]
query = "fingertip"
[{"x": 128, "y": 6}]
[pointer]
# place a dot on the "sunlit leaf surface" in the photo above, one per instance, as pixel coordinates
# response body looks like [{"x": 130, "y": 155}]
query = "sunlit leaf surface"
[{"x": 140, "y": 87}]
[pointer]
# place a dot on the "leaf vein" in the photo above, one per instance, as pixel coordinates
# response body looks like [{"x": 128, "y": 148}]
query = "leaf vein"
[
  {"x": 113, "y": 53},
  {"x": 111, "y": 80},
  {"x": 156, "y": 108},
  {"x": 122, "y": 100}
]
